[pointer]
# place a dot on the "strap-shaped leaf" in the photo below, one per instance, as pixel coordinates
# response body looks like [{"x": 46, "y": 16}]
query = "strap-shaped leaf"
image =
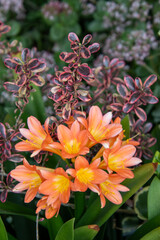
[
  {"x": 153, "y": 235},
  {"x": 3, "y": 233},
  {"x": 66, "y": 231},
  {"x": 153, "y": 198},
  {"x": 96, "y": 215},
  {"x": 86, "y": 232}
]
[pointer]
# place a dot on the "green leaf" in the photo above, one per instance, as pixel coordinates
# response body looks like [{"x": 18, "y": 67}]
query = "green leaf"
[
  {"x": 15, "y": 28},
  {"x": 153, "y": 198},
  {"x": 146, "y": 227},
  {"x": 140, "y": 203},
  {"x": 126, "y": 127},
  {"x": 79, "y": 204},
  {"x": 17, "y": 209},
  {"x": 35, "y": 107},
  {"x": 53, "y": 225},
  {"x": 66, "y": 231},
  {"x": 86, "y": 232},
  {"x": 156, "y": 158},
  {"x": 3, "y": 233},
  {"x": 153, "y": 235},
  {"x": 96, "y": 215}
]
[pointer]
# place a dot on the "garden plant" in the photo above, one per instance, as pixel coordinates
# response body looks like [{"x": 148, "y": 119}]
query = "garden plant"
[{"x": 80, "y": 120}]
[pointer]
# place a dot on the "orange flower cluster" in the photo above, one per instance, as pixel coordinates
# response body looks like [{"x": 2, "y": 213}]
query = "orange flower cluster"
[{"x": 103, "y": 175}]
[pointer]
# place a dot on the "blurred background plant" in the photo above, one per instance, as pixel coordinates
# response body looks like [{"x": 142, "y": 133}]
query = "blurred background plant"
[{"x": 120, "y": 78}]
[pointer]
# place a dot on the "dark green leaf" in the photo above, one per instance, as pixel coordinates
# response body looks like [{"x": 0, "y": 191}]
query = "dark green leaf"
[
  {"x": 66, "y": 231},
  {"x": 153, "y": 235},
  {"x": 96, "y": 215},
  {"x": 86, "y": 232},
  {"x": 154, "y": 198},
  {"x": 140, "y": 203},
  {"x": 126, "y": 127},
  {"x": 3, "y": 233}
]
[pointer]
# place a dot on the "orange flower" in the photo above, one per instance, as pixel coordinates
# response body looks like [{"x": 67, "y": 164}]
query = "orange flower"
[
  {"x": 72, "y": 141},
  {"x": 87, "y": 176},
  {"x": 110, "y": 189},
  {"x": 30, "y": 179},
  {"x": 120, "y": 160},
  {"x": 99, "y": 126},
  {"x": 57, "y": 187},
  {"x": 50, "y": 209},
  {"x": 38, "y": 138}
]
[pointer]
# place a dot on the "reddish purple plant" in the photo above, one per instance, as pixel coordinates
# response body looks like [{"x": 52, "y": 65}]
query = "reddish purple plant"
[
  {"x": 133, "y": 93},
  {"x": 6, "y": 137},
  {"x": 4, "y": 28},
  {"x": 144, "y": 138},
  {"x": 5, "y": 186},
  {"x": 69, "y": 90},
  {"x": 28, "y": 72}
]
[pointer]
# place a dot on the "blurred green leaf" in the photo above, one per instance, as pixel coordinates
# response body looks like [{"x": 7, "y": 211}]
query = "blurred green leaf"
[
  {"x": 86, "y": 232},
  {"x": 129, "y": 225},
  {"x": 96, "y": 215},
  {"x": 15, "y": 28},
  {"x": 57, "y": 32},
  {"x": 35, "y": 107},
  {"x": 153, "y": 235},
  {"x": 3, "y": 233},
  {"x": 140, "y": 203},
  {"x": 66, "y": 231},
  {"x": 154, "y": 198},
  {"x": 126, "y": 127}
]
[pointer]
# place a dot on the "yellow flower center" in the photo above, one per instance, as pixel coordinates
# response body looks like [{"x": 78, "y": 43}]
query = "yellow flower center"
[
  {"x": 34, "y": 181},
  {"x": 99, "y": 133},
  {"x": 72, "y": 147},
  {"x": 61, "y": 183},
  {"x": 114, "y": 164},
  {"x": 85, "y": 175}
]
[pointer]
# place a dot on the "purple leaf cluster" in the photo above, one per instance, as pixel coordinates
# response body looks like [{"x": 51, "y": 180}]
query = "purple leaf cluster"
[
  {"x": 67, "y": 90},
  {"x": 7, "y": 136},
  {"x": 133, "y": 94},
  {"x": 5, "y": 186},
  {"x": 28, "y": 71}
]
